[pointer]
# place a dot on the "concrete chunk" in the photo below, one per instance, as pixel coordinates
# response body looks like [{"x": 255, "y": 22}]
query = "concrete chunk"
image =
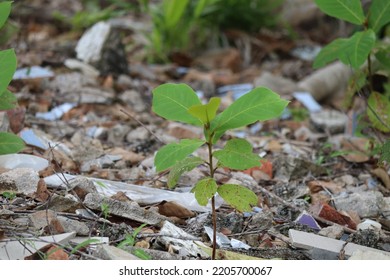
[
  {"x": 127, "y": 210},
  {"x": 310, "y": 241}
]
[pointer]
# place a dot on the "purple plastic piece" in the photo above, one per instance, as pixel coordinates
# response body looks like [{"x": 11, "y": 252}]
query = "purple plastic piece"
[{"x": 308, "y": 220}]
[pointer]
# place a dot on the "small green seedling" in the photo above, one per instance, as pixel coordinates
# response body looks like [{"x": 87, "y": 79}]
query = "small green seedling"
[
  {"x": 178, "y": 102},
  {"x": 130, "y": 241},
  {"x": 9, "y": 195},
  {"x": 359, "y": 50},
  {"x": 9, "y": 143}
]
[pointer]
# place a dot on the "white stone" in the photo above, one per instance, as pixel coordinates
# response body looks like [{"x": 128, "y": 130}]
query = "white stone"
[
  {"x": 90, "y": 46},
  {"x": 369, "y": 224}
]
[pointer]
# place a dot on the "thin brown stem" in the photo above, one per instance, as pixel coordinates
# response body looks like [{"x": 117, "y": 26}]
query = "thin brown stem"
[
  {"x": 213, "y": 212},
  {"x": 214, "y": 217}
]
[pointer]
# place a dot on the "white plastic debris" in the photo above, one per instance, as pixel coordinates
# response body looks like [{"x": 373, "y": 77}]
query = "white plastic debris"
[
  {"x": 139, "y": 194},
  {"x": 308, "y": 101},
  {"x": 307, "y": 53},
  {"x": 23, "y": 247},
  {"x": 56, "y": 113},
  {"x": 237, "y": 244},
  {"x": 34, "y": 72},
  {"x": 222, "y": 240},
  {"x": 171, "y": 235}
]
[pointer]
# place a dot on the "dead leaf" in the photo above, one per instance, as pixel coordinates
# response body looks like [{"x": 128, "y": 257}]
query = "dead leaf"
[
  {"x": 328, "y": 213},
  {"x": 318, "y": 185},
  {"x": 121, "y": 196},
  {"x": 172, "y": 209},
  {"x": 383, "y": 176},
  {"x": 320, "y": 197},
  {"x": 55, "y": 227},
  {"x": 356, "y": 149},
  {"x": 142, "y": 244},
  {"x": 16, "y": 118},
  {"x": 56, "y": 253},
  {"x": 42, "y": 194},
  {"x": 229, "y": 58},
  {"x": 266, "y": 168},
  {"x": 273, "y": 146}
]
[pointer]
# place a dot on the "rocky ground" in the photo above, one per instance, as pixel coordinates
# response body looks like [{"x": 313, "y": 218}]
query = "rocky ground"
[{"x": 85, "y": 186}]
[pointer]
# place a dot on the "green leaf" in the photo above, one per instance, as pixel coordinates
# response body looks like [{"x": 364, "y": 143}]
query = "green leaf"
[
  {"x": 348, "y": 10},
  {"x": 172, "y": 101},
  {"x": 238, "y": 197},
  {"x": 7, "y": 68},
  {"x": 330, "y": 52},
  {"x": 5, "y": 9},
  {"x": 141, "y": 254},
  {"x": 385, "y": 152},
  {"x": 259, "y": 104},
  {"x": 204, "y": 190},
  {"x": 10, "y": 143},
  {"x": 237, "y": 154},
  {"x": 200, "y": 6},
  {"x": 130, "y": 238},
  {"x": 378, "y": 14},
  {"x": 84, "y": 244},
  {"x": 170, "y": 154},
  {"x": 378, "y": 111},
  {"x": 353, "y": 51},
  {"x": 358, "y": 48},
  {"x": 7, "y": 100},
  {"x": 182, "y": 166},
  {"x": 174, "y": 10},
  {"x": 205, "y": 113}
]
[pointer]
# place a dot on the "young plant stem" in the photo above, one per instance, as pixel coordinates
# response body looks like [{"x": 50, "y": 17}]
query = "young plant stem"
[{"x": 213, "y": 212}]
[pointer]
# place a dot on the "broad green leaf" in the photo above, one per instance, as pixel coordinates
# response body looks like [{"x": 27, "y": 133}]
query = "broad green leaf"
[
  {"x": 204, "y": 190},
  {"x": 358, "y": 48},
  {"x": 10, "y": 143},
  {"x": 259, "y": 104},
  {"x": 7, "y": 100},
  {"x": 348, "y": 10},
  {"x": 5, "y": 9},
  {"x": 205, "y": 113},
  {"x": 7, "y": 68},
  {"x": 238, "y": 197},
  {"x": 182, "y": 166},
  {"x": 330, "y": 52},
  {"x": 378, "y": 14},
  {"x": 237, "y": 154},
  {"x": 379, "y": 111},
  {"x": 172, "y": 101},
  {"x": 170, "y": 154},
  {"x": 353, "y": 51},
  {"x": 385, "y": 152}
]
